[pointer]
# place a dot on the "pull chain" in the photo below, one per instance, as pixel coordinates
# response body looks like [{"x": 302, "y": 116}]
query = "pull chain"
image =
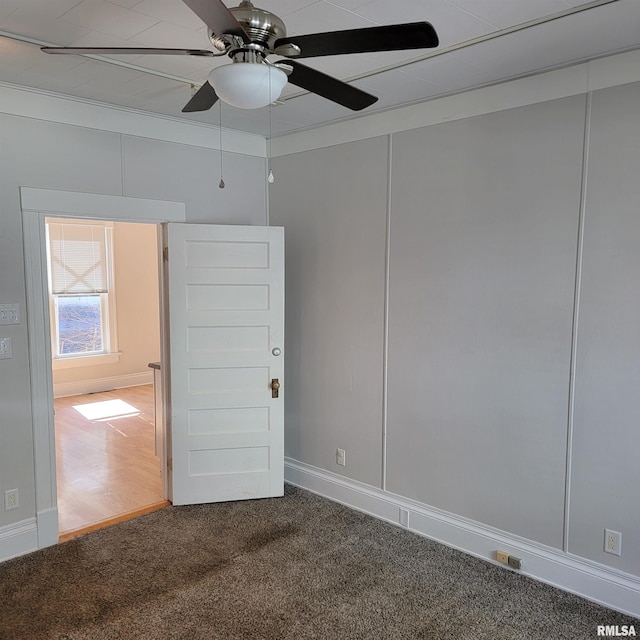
[
  {"x": 271, "y": 179},
  {"x": 221, "y": 183}
]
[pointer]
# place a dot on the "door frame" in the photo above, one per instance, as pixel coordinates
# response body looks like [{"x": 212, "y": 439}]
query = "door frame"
[{"x": 36, "y": 205}]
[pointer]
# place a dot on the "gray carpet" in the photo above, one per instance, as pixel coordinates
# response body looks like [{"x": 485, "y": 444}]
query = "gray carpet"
[{"x": 292, "y": 568}]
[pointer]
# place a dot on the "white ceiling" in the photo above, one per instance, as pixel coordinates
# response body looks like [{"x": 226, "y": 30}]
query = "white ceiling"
[{"x": 517, "y": 37}]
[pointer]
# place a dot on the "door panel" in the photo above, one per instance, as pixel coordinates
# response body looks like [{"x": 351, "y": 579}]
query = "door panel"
[{"x": 226, "y": 291}]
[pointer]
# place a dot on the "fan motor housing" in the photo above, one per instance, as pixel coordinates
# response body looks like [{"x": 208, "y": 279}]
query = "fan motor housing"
[{"x": 262, "y": 27}]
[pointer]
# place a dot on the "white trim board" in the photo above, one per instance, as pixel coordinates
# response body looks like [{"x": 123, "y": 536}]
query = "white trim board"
[
  {"x": 96, "y": 385},
  {"x": 71, "y": 204},
  {"x": 594, "y": 582},
  {"x": 47, "y": 523},
  {"x": 602, "y": 73},
  {"x": 53, "y": 107},
  {"x": 18, "y": 538}
]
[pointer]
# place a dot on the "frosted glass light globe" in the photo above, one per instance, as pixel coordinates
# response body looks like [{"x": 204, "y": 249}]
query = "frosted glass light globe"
[{"x": 248, "y": 85}]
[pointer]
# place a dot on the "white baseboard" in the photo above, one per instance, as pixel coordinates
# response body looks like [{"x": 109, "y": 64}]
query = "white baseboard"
[
  {"x": 96, "y": 385},
  {"x": 595, "y": 582},
  {"x": 18, "y": 538}
]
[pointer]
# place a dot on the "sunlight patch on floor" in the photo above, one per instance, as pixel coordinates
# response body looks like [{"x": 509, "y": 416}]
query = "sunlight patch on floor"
[{"x": 106, "y": 410}]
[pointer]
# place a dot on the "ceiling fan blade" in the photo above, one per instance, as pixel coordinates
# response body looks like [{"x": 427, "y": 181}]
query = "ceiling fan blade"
[
  {"x": 203, "y": 99},
  {"x": 217, "y": 17},
  {"x": 397, "y": 37},
  {"x": 128, "y": 51},
  {"x": 329, "y": 87}
]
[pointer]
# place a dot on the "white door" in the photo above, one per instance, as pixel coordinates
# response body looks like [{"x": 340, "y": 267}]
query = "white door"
[{"x": 226, "y": 330}]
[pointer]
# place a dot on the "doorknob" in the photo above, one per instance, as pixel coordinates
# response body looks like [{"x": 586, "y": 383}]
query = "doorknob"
[{"x": 275, "y": 385}]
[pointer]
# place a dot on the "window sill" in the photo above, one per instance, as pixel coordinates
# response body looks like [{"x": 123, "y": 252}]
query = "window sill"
[{"x": 85, "y": 361}]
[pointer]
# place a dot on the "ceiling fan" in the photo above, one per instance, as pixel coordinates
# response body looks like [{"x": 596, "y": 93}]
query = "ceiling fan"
[{"x": 248, "y": 35}]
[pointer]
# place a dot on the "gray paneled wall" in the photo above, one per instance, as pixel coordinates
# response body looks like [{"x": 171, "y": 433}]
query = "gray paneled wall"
[
  {"x": 332, "y": 203},
  {"x": 605, "y": 479},
  {"x": 483, "y": 255},
  {"x": 484, "y": 224},
  {"x": 49, "y": 156},
  {"x": 178, "y": 172}
]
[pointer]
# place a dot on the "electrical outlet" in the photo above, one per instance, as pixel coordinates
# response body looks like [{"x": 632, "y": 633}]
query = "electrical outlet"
[
  {"x": 11, "y": 499},
  {"x": 6, "y": 348},
  {"x": 613, "y": 542},
  {"x": 9, "y": 314},
  {"x": 341, "y": 457},
  {"x": 505, "y": 558}
]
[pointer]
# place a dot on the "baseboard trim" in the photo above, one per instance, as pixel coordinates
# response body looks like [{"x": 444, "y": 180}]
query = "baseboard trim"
[
  {"x": 18, "y": 538},
  {"x": 96, "y": 385},
  {"x": 600, "y": 584}
]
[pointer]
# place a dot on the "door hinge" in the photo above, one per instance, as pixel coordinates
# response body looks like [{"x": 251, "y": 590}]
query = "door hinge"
[
  {"x": 170, "y": 464},
  {"x": 165, "y": 254}
]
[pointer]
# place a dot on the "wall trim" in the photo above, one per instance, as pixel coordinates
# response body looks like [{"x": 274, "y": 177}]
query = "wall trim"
[
  {"x": 34, "y": 211},
  {"x": 72, "y": 204},
  {"x": 18, "y": 538},
  {"x": 47, "y": 523},
  {"x": 595, "y": 582},
  {"x": 34, "y": 103},
  {"x": 614, "y": 70},
  {"x": 96, "y": 385}
]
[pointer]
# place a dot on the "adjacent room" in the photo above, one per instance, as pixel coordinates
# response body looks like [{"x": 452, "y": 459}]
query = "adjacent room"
[
  {"x": 105, "y": 332},
  {"x": 381, "y": 258}
]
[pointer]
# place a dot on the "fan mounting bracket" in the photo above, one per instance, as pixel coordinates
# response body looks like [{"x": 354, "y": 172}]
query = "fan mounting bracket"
[{"x": 262, "y": 28}]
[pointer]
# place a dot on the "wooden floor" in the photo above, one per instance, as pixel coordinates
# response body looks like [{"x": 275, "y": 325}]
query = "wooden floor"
[{"x": 106, "y": 467}]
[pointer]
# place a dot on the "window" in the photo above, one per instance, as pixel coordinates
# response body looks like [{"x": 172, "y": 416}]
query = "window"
[{"x": 81, "y": 289}]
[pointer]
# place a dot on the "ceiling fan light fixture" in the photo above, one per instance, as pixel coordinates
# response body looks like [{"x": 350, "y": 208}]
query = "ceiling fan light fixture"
[{"x": 248, "y": 85}]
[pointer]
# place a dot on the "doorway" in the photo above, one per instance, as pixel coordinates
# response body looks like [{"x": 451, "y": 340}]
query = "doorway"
[
  {"x": 105, "y": 331},
  {"x": 222, "y": 364},
  {"x": 37, "y": 204}
]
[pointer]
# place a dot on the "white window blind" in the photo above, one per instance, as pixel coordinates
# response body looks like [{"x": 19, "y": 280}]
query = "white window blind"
[{"x": 78, "y": 258}]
